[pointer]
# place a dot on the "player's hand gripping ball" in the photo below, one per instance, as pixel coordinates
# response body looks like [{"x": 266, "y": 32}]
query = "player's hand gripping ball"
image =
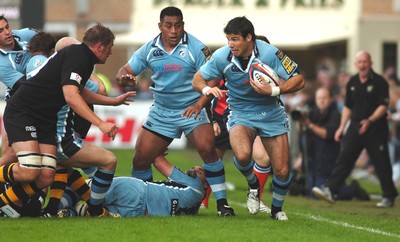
[{"x": 260, "y": 69}]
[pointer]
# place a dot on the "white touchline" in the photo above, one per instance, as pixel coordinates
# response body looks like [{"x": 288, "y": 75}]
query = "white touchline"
[{"x": 344, "y": 224}]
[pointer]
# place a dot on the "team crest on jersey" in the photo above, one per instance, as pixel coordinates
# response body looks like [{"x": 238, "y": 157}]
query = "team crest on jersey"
[
  {"x": 75, "y": 77},
  {"x": 37, "y": 63},
  {"x": 207, "y": 53},
  {"x": 182, "y": 53}
]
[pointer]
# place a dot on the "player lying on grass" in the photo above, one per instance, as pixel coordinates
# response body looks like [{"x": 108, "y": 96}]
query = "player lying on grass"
[{"x": 181, "y": 194}]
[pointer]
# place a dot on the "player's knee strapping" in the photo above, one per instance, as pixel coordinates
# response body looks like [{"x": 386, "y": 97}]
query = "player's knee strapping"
[
  {"x": 49, "y": 161},
  {"x": 31, "y": 160}
]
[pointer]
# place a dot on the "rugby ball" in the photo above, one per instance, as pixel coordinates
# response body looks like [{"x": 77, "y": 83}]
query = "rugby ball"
[{"x": 260, "y": 69}]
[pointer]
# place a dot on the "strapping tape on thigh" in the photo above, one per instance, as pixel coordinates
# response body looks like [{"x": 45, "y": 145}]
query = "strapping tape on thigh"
[
  {"x": 29, "y": 159},
  {"x": 49, "y": 161}
]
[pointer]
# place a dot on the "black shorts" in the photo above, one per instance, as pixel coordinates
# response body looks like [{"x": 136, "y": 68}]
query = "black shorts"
[
  {"x": 27, "y": 125},
  {"x": 222, "y": 140},
  {"x": 81, "y": 125},
  {"x": 68, "y": 147}
]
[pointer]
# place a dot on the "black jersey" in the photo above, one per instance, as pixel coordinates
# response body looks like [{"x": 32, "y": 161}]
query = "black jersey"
[
  {"x": 364, "y": 98},
  {"x": 42, "y": 94}
]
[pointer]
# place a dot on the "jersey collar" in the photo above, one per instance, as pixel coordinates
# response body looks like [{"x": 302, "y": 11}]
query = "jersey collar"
[
  {"x": 17, "y": 41},
  {"x": 157, "y": 42},
  {"x": 235, "y": 60},
  {"x": 93, "y": 57}
]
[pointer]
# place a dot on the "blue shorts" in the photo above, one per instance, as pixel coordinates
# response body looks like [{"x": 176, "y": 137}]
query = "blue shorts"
[
  {"x": 271, "y": 122},
  {"x": 170, "y": 123}
]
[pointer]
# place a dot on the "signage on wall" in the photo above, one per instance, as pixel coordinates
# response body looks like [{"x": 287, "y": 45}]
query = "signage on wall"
[{"x": 256, "y": 3}]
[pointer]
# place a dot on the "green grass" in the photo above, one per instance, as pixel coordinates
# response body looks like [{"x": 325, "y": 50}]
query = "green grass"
[{"x": 309, "y": 220}]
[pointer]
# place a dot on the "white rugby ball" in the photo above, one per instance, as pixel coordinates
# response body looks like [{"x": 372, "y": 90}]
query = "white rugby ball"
[{"x": 260, "y": 69}]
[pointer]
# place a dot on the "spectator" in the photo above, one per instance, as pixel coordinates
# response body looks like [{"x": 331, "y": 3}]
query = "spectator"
[
  {"x": 322, "y": 149},
  {"x": 363, "y": 125}
]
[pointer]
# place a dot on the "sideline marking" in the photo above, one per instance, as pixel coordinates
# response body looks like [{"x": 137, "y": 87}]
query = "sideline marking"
[{"x": 343, "y": 224}]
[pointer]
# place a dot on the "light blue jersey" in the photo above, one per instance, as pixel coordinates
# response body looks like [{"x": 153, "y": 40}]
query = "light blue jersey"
[
  {"x": 173, "y": 71},
  {"x": 35, "y": 62},
  {"x": 248, "y": 108},
  {"x": 241, "y": 96},
  {"x": 132, "y": 197},
  {"x": 13, "y": 62}
]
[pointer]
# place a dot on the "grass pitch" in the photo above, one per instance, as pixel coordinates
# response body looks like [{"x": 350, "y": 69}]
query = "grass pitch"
[{"x": 309, "y": 219}]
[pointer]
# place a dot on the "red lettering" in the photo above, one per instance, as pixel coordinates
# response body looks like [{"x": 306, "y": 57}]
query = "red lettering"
[
  {"x": 126, "y": 131},
  {"x": 90, "y": 138},
  {"x": 104, "y": 138}
]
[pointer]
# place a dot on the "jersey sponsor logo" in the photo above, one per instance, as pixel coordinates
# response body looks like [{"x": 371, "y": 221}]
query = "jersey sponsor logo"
[
  {"x": 168, "y": 68},
  {"x": 280, "y": 54},
  {"x": 174, "y": 206},
  {"x": 158, "y": 53},
  {"x": 76, "y": 77},
  {"x": 288, "y": 65},
  {"x": 207, "y": 53}
]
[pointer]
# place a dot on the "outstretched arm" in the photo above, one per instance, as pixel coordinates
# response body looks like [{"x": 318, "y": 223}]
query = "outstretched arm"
[
  {"x": 76, "y": 102},
  {"x": 94, "y": 98},
  {"x": 126, "y": 76},
  {"x": 163, "y": 166}
]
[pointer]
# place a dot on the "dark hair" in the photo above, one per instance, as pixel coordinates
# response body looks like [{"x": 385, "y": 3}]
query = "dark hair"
[
  {"x": 98, "y": 34},
  {"x": 2, "y": 17},
  {"x": 263, "y": 38},
  {"x": 241, "y": 26},
  {"x": 42, "y": 42},
  {"x": 170, "y": 11}
]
